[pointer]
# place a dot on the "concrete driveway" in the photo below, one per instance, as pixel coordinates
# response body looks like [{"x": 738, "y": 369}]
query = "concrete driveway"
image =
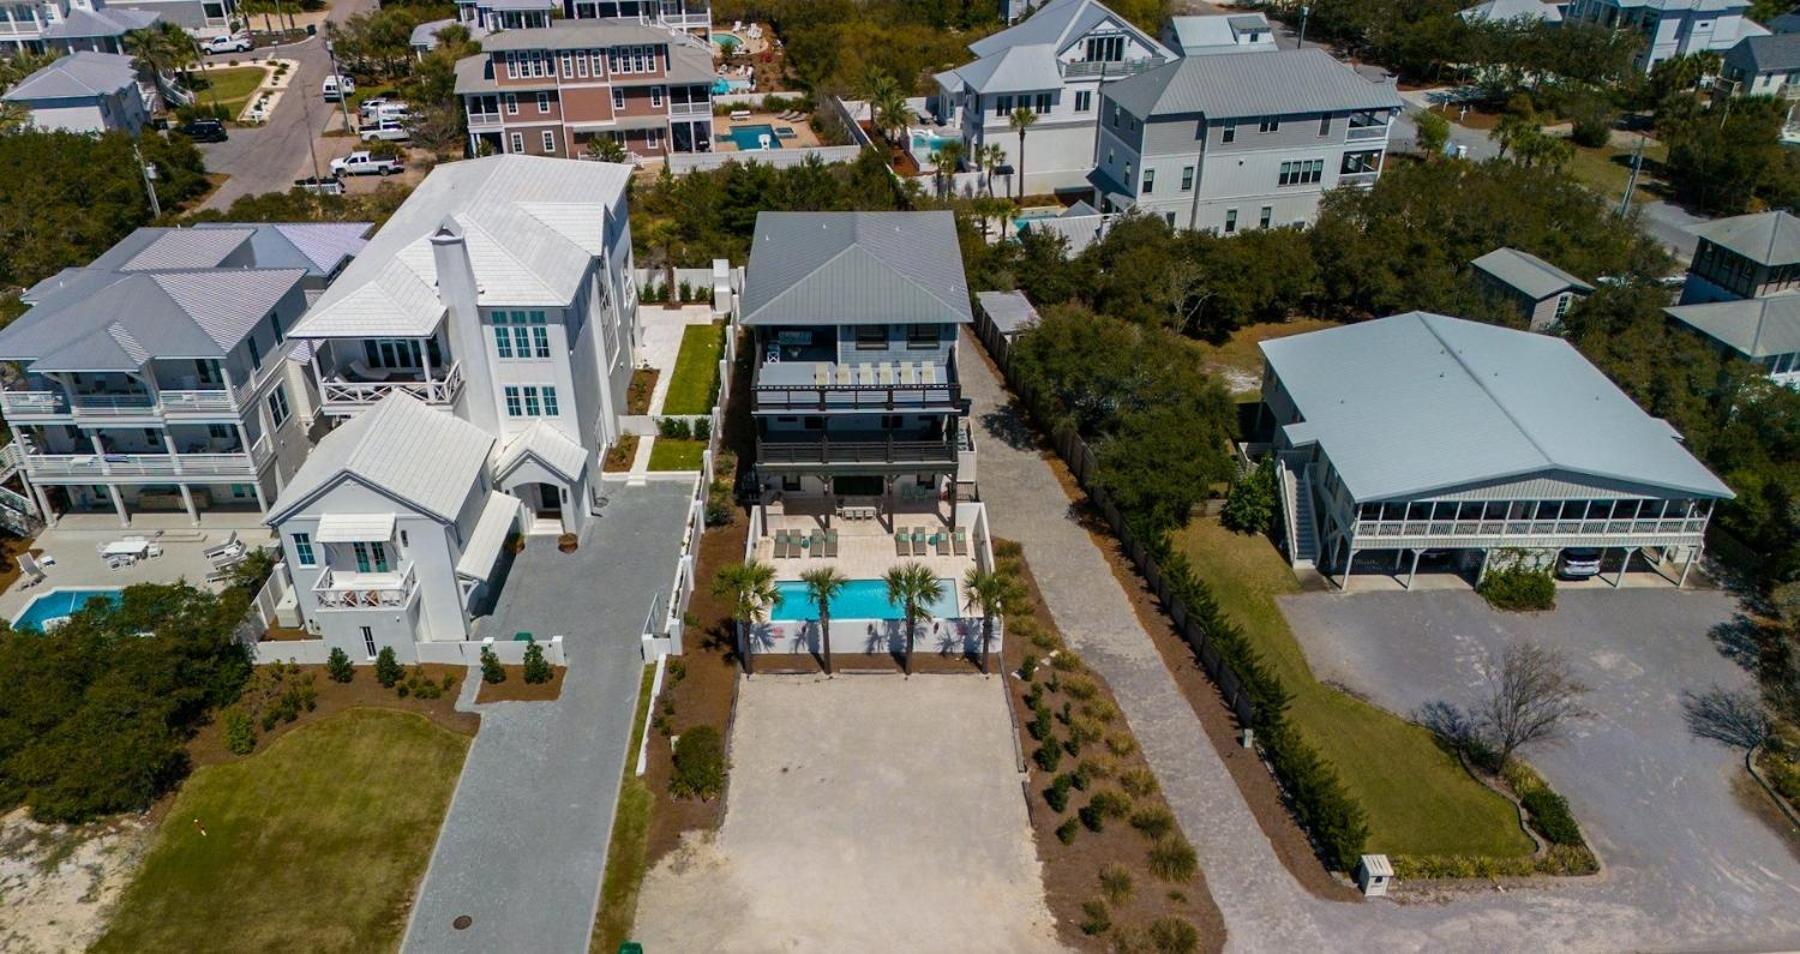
[
  {"x": 865, "y": 813},
  {"x": 1656, "y": 802},
  {"x": 524, "y": 845}
]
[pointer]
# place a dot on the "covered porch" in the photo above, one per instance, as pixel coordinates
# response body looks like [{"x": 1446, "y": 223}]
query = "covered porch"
[{"x": 353, "y": 373}]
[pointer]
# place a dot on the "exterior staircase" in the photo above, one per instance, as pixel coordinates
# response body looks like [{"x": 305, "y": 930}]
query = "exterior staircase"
[{"x": 1297, "y": 512}]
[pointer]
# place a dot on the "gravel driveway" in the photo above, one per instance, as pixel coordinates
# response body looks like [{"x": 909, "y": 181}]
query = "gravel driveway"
[{"x": 1657, "y": 803}]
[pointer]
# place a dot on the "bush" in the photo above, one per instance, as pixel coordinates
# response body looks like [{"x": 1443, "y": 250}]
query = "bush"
[
  {"x": 1173, "y": 859},
  {"x": 1154, "y": 821},
  {"x": 1250, "y": 506},
  {"x": 702, "y": 428},
  {"x": 1028, "y": 667},
  {"x": 687, "y": 292},
  {"x": 1139, "y": 782},
  {"x": 387, "y": 668},
  {"x": 1048, "y": 756},
  {"x": 674, "y": 428},
  {"x": 1518, "y": 589},
  {"x": 1111, "y": 803},
  {"x": 1173, "y": 936},
  {"x": 337, "y": 666},
  {"x": 1040, "y": 726},
  {"x": 537, "y": 669},
  {"x": 1091, "y": 818},
  {"x": 492, "y": 672},
  {"x": 421, "y": 686},
  {"x": 1115, "y": 883},
  {"x": 1057, "y": 795},
  {"x": 699, "y": 764},
  {"x": 240, "y": 732},
  {"x": 1096, "y": 919},
  {"x": 1549, "y": 815},
  {"x": 1592, "y": 121},
  {"x": 1066, "y": 831}
]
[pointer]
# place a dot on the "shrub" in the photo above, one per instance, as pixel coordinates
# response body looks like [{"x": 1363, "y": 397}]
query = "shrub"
[
  {"x": 1173, "y": 859},
  {"x": 1111, "y": 803},
  {"x": 1096, "y": 919},
  {"x": 492, "y": 672},
  {"x": 1066, "y": 661},
  {"x": 699, "y": 764},
  {"x": 702, "y": 428},
  {"x": 1080, "y": 689},
  {"x": 1518, "y": 589},
  {"x": 537, "y": 669},
  {"x": 1028, "y": 667},
  {"x": 1154, "y": 821},
  {"x": 1115, "y": 883},
  {"x": 1065, "y": 832},
  {"x": 421, "y": 685},
  {"x": 1140, "y": 782},
  {"x": 1101, "y": 711},
  {"x": 1057, "y": 795},
  {"x": 387, "y": 668},
  {"x": 1549, "y": 815},
  {"x": 1083, "y": 775},
  {"x": 338, "y": 667},
  {"x": 1048, "y": 756},
  {"x": 1173, "y": 936},
  {"x": 1091, "y": 818},
  {"x": 1040, "y": 726},
  {"x": 687, "y": 291},
  {"x": 1250, "y": 506},
  {"x": 1121, "y": 744},
  {"x": 674, "y": 428},
  {"x": 240, "y": 732}
]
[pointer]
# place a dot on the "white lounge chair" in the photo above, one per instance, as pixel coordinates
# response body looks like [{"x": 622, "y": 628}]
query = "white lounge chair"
[
  {"x": 28, "y": 565},
  {"x": 230, "y": 541}
]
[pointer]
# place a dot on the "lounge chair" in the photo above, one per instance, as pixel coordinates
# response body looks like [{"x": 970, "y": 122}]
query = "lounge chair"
[
  {"x": 28, "y": 565},
  {"x": 943, "y": 543},
  {"x": 781, "y": 545},
  {"x": 230, "y": 542},
  {"x": 831, "y": 541},
  {"x": 902, "y": 543},
  {"x": 817, "y": 546},
  {"x": 961, "y": 539},
  {"x": 918, "y": 541}
]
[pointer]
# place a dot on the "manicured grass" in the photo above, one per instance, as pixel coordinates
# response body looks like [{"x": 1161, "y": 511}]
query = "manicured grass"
[
  {"x": 1419, "y": 800},
  {"x": 233, "y": 85},
  {"x": 696, "y": 369},
  {"x": 1605, "y": 170},
  {"x": 625, "y": 859},
  {"x": 1240, "y": 359},
  {"x": 314, "y": 844},
  {"x": 671, "y": 454}
]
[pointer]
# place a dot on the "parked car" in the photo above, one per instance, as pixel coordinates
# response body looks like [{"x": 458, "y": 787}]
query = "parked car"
[
  {"x": 337, "y": 87},
  {"x": 203, "y": 130},
  {"x": 380, "y": 108},
  {"x": 231, "y": 43},
  {"x": 392, "y": 130},
  {"x": 365, "y": 164},
  {"x": 1579, "y": 563}
]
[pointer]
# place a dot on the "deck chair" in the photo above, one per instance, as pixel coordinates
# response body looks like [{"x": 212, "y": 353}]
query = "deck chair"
[
  {"x": 961, "y": 539},
  {"x": 831, "y": 542},
  {"x": 28, "y": 565},
  {"x": 781, "y": 544},
  {"x": 943, "y": 543},
  {"x": 817, "y": 549},
  {"x": 918, "y": 541},
  {"x": 230, "y": 541},
  {"x": 902, "y": 543}
]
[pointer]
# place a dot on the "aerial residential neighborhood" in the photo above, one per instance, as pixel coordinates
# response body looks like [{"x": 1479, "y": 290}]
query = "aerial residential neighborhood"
[{"x": 1021, "y": 475}]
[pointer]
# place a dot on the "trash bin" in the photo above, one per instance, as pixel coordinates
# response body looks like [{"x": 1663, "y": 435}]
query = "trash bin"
[
  {"x": 312, "y": 29},
  {"x": 631, "y": 947},
  {"x": 1373, "y": 875}
]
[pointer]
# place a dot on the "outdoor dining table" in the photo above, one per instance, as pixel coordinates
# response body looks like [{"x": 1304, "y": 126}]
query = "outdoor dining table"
[{"x": 134, "y": 548}]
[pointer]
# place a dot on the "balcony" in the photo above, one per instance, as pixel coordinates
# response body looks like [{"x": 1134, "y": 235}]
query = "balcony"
[
  {"x": 1366, "y": 133},
  {"x": 1598, "y": 529},
  {"x": 1358, "y": 179},
  {"x": 1104, "y": 68},
  {"x": 349, "y": 590},
  {"x": 688, "y": 21},
  {"x": 97, "y": 467},
  {"x": 115, "y": 406},
  {"x": 690, "y": 110},
  {"x": 339, "y": 394},
  {"x": 854, "y": 451},
  {"x": 485, "y": 119},
  {"x": 791, "y": 387}
]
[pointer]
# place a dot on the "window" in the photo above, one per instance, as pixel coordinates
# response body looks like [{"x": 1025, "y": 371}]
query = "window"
[
  {"x": 1149, "y": 181},
  {"x": 543, "y": 102},
  {"x": 653, "y": 138},
  {"x": 1042, "y": 105},
  {"x": 1325, "y": 125},
  {"x": 513, "y": 407},
  {"x": 656, "y": 96},
  {"x": 242, "y": 491},
  {"x": 218, "y": 432},
  {"x": 1002, "y": 105},
  {"x": 512, "y": 104},
  {"x": 1187, "y": 178},
  {"x": 550, "y": 408},
  {"x": 1269, "y": 124},
  {"x": 1084, "y": 100},
  {"x": 568, "y": 65},
  {"x": 516, "y": 143},
  {"x": 1116, "y": 113},
  {"x": 502, "y": 340},
  {"x": 1230, "y": 221},
  {"x": 303, "y": 550},
  {"x": 581, "y": 64},
  {"x": 1562, "y": 305},
  {"x": 549, "y": 140},
  {"x": 371, "y": 557},
  {"x": 1128, "y": 172},
  {"x": 618, "y": 99},
  {"x": 922, "y": 336},
  {"x": 871, "y": 337},
  {"x": 368, "y": 636},
  {"x": 1301, "y": 172},
  {"x": 391, "y": 352},
  {"x": 278, "y": 404},
  {"x": 532, "y": 407},
  {"x": 1107, "y": 49},
  {"x": 1268, "y": 216},
  {"x": 1229, "y": 132},
  {"x": 255, "y": 350}
]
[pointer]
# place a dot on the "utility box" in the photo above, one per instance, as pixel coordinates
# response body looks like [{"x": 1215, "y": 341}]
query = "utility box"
[{"x": 1373, "y": 875}]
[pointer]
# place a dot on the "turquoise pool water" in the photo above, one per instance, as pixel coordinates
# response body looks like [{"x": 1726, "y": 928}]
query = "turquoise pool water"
[
  {"x": 727, "y": 41},
  {"x": 57, "y": 604},
  {"x": 924, "y": 144},
  {"x": 749, "y": 138},
  {"x": 859, "y": 599},
  {"x": 729, "y": 84}
]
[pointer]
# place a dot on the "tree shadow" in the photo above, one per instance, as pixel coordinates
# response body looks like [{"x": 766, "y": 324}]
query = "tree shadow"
[
  {"x": 1008, "y": 425},
  {"x": 1734, "y": 719},
  {"x": 1738, "y": 639}
]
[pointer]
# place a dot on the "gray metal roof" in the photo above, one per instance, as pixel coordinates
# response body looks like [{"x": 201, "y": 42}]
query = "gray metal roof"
[
  {"x": 1420, "y": 403},
  {"x": 1011, "y": 311},
  {"x": 1768, "y": 238},
  {"x": 1779, "y": 53},
  {"x": 80, "y": 24},
  {"x": 848, "y": 268},
  {"x": 1754, "y": 328},
  {"x": 1017, "y": 69},
  {"x": 424, "y": 457},
  {"x": 1507, "y": 11},
  {"x": 580, "y": 34},
  {"x": 1217, "y": 32},
  {"x": 319, "y": 248},
  {"x": 77, "y": 75},
  {"x": 1060, "y": 23},
  {"x": 1530, "y": 275},
  {"x": 1280, "y": 83},
  {"x": 115, "y": 321}
]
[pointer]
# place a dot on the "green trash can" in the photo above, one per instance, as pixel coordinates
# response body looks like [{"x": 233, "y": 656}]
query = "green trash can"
[
  {"x": 631, "y": 947},
  {"x": 521, "y": 637}
]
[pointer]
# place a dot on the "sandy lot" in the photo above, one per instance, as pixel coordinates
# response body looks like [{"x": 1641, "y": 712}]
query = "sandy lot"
[
  {"x": 864, "y": 813},
  {"x": 57, "y": 884}
]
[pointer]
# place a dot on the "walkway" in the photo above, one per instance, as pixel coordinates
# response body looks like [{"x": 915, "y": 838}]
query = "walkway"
[{"x": 524, "y": 846}]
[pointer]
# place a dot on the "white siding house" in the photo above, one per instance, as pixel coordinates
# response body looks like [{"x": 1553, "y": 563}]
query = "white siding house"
[
  {"x": 1671, "y": 28},
  {"x": 83, "y": 92}
]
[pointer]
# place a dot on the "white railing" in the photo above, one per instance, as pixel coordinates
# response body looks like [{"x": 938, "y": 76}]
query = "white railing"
[
  {"x": 235, "y": 464},
  {"x": 353, "y": 591},
  {"x": 1362, "y": 133},
  {"x": 115, "y": 405},
  {"x": 1358, "y": 178},
  {"x": 689, "y": 110},
  {"x": 25, "y": 403},
  {"x": 1524, "y": 528},
  {"x": 198, "y": 402},
  {"x": 16, "y": 403},
  {"x": 685, "y": 21},
  {"x": 484, "y": 119},
  {"x": 360, "y": 393}
]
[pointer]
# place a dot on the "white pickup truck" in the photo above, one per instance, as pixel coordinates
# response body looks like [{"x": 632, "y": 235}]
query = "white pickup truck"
[
  {"x": 364, "y": 164},
  {"x": 392, "y": 130},
  {"x": 231, "y": 43}
]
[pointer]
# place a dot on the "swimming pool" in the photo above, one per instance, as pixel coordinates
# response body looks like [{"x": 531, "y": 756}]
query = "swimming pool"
[
  {"x": 1028, "y": 216},
  {"x": 750, "y": 138},
  {"x": 46, "y": 608},
  {"x": 730, "y": 84},
  {"x": 859, "y": 599},
  {"x": 924, "y": 144},
  {"x": 727, "y": 41}
]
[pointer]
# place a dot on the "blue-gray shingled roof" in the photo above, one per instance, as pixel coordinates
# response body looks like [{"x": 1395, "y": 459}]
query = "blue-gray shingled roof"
[
  {"x": 848, "y": 268},
  {"x": 1418, "y": 403},
  {"x": 1756, "y": 55},
  {"x": 78, "y": 75},
  {"x": 1226, "y": 85}
]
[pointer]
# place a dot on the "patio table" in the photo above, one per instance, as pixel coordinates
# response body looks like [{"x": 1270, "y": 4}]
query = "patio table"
[{"x": 134, "y": 548}]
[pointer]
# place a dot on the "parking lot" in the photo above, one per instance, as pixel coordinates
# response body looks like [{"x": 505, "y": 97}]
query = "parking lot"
[
  {"x": 1688, "y": 866},
  {"x": 865, "y": 813}
]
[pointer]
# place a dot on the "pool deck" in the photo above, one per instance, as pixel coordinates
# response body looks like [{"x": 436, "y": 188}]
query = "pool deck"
[
  {"x": 866, "y": 547},
  {"x": 803, "y": 137}
]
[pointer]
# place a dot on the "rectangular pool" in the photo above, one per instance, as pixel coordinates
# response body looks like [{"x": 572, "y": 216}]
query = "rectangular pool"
[
  {"x": 859, "y": 599},
  {"x": 47, "y": 608},
  {"x": 752, "y": 138}
]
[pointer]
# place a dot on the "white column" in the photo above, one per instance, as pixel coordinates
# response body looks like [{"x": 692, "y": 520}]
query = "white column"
[
  {"x": 187, "y": 500},
  {"x": 43, "y": 502},
  {"x": 262, "y": 505},
  {"x": 425, "y": 366},
  {"x": 1693, "y": 558},
  {"x": 1415, "y": 568},
  {"x": 1349, "y": 563},
  {"x": 118, "y": 502},
  {"x": 1620, "y": 576},
  {"x": 174, "y": 458}
]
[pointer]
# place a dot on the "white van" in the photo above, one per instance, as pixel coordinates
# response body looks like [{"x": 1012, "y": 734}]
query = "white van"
[{"x": 333, "y": 91}]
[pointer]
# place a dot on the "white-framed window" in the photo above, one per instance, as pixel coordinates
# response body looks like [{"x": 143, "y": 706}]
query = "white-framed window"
[
  {"x": 303, "y": 550},
  {"x": 278, "y": 405},
  {"x": 581, "y": 64},
  {"x": 512, "y": 104},
  {"x": 549, "y": 141},
  {"x": 1562, "y": 304},
  {"x": 656, "y": 96},
  {"x": 516, "y": 142},
  {"x": 543, "y": 102},
  {"x": 568, "y": 64},
  {"x": 1187, "y": 178},
  {"x": 368, "y": 636},
  {"x": 1002, "y": 105},
  {"x": 1268, "y": 216},
  {"x": 1269, "y": 124},
  {"x": 1325, "y": 125},
  {"x": 1149, "y": 181},
  {"x": 618, "y": 98},
  {"x": 653, "y": 138},
  {"x": 532, "y": 407},
  {"x": 1084, "y": 100},
  {"x": 1230, "y": 221},
  {"x": 550, "y": 408},
  {"x": 1301, "y": 172},
  {"x": 1108, "y": 49},
  {"x": 1042, "y": 105},
  {"x": 514, "y": 407}
]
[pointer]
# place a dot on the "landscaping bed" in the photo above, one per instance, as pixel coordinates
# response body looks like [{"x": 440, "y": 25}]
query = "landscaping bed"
[
  {"x": 694, "y": 387},
  {"x": 625, "y": 858},
  {"x": 514, "y": 688},
  {"x": 1117, "y": 870},
  {"x": 620, "y": 455},
  {"x": 639, "y": 391}
]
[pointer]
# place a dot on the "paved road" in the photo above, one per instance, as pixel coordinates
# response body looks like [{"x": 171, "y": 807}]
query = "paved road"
[
  {"x": 524, "y": 846},
  {"x": 1693, "y": 867},
  {"x": 1264, "y": 908}
]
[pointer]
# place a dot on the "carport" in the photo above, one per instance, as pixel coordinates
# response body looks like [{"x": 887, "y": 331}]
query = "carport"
[{"x": 1470, "y": 565}]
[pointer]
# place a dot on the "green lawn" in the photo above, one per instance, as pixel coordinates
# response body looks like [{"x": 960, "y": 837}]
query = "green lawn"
[
  {"x": 671, "y": 454},
  {"x": 233, "y": 86},
  {"x": 631, "y": 830},
  {"x": 1239, "y": 358},
  {"x": 1419, "y": 800},
  {"x": 696, "y": 370},
  {"x": 1606, "y": 169},
  {"x": 314, "y": 844}
]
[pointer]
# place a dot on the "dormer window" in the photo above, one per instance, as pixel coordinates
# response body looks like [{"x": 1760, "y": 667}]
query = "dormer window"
[{"x": 1104, "y": 49}]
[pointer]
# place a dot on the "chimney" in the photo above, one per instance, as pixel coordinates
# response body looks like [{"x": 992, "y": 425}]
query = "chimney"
[{"x": 456, "y": 288}]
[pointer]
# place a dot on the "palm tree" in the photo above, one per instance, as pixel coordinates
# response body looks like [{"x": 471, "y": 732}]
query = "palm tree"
[
  {"x": 992, "y": 595},
  {"x": 990, "y": 157},
  {"x": 661, "y": 238},
  {"x": 944, "y": 161},
  {"x": 913, "y": 587},
  {"x": 890, "y": 113},
  {"x": 1021, "y": 120},
  {"x": 823, "y": 585},
  {"x": 751, "y": 589}
]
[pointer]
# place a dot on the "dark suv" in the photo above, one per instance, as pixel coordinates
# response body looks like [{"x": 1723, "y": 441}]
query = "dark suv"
[{"x": 203, "y": 130}]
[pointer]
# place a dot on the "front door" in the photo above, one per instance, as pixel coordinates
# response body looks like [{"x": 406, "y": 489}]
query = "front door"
[{"x": 549, "y": 502}]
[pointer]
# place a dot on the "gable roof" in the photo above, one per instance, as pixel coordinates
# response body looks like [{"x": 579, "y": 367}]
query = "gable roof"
[
  {"x": 532, "y": 226},
  {"x": 318, "y": 248},
  {"x": 1060, "y": 23},
  {"x": 1503, "y": 11},
  {"x": 1530, "y": 275},
  {"x": 1254, "y": 83},
  {"x": 1218, "y": 32},
  {"x": 545, "y": 444},
  {"x": 1754, "y": 327},
  {"x": 847, "y": 268},
  {"x": 1420, "y": 403},
  {"x": 81, "y": 24},
  {"x": 77, "y": 75},
  {"x": 115, "y": 321},
  {"x": 1767, "y": 238},
  {"x": 1779, "y": 53},
  {"x": 425, "y": 458},
  {"x": 1016, "y": 69}
]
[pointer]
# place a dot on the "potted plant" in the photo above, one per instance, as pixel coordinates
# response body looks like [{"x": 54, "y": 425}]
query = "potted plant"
[{"x": 568, "y": 542}]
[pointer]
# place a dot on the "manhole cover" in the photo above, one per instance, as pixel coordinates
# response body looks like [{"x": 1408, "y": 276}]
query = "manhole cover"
[{"x": 462, "y": 922}]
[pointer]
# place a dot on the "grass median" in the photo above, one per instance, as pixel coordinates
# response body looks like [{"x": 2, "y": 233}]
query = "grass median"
[
  {"x": 696, "y": 370},
  {"x": 625, "y": 859}
]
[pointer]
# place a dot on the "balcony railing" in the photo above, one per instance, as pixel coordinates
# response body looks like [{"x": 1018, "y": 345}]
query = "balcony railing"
[
  {"x": 854, "y": 397},
  {"x": 1363, "y": 133},
  {"x": 484, "y": 119},
  {"x": 22, "y": 404},
  {"x": 1530, "y": 528},
  {"x": 340, "y": 591},
  {"x": 1105, "y": 68},
  {"x": 1358, "y": 178},
  {"x": 687, "y": 21},
  {"x": 829, "y": 452},
  {"x": 690, "y": 110},
  {"x": 234, "y": 464},
  {"x": 339, "y": 393},
  {"x": 198, "y": 402}
]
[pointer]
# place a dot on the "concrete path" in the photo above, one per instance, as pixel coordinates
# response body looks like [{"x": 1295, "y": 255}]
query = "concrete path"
[{"x": 524, "y": 846}]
